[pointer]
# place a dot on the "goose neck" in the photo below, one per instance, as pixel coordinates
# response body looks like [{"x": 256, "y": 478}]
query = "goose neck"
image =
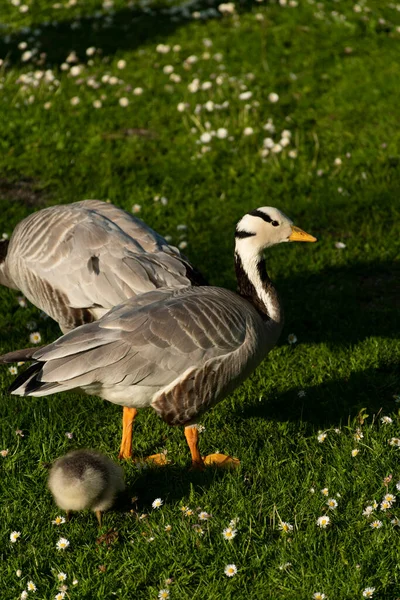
[{"x": 255, "y": 285}]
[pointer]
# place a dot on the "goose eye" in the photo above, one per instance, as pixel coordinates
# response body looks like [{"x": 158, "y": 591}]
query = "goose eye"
[{"x": 274, "y": 223}]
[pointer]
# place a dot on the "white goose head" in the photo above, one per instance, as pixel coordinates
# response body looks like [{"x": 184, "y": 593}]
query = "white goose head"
[
  {"x": 267, "y": 226},
  {"x": 257, "y": 230}
]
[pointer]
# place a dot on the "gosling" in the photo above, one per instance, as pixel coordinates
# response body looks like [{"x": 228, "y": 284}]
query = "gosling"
[{"x": 85, "y": 479}]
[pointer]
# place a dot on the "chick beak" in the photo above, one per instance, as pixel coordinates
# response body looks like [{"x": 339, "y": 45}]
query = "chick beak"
[{"x": 298, "y": 235}]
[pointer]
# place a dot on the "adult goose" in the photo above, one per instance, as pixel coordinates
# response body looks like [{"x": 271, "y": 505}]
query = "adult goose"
[
  {"x": 179, "y": 351},
  {"x": 76, "y": 261}
]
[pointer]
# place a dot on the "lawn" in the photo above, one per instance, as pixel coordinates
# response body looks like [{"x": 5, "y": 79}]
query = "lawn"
[{"x": 176, "y": 113}]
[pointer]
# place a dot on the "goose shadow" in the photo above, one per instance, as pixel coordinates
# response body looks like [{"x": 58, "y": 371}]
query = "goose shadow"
[
  {"x": 170, "y": 482},
  {"x": 331, "y": 403},
  {"x": 342, "y": 305}
]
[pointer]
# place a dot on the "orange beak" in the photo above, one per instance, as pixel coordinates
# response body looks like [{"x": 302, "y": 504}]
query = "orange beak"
[{"x": 298, "y": 235}]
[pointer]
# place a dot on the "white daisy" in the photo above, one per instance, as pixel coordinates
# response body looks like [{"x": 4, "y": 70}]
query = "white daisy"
[
  {"x": 35, "y": 338},
  {"x": 286, "y": 527},
  {"x": 332, "y": 503},
  {"x": 4, "y": 453},
  {"x": 376, "y": 524},
  {"x": 123, "y": 102},
  {"x": 24, "y": 595},
  {"x": 292, "y": 338},
  {"x": 319, "y": 596},
  {"x": 204, "y": 516},
  {"x": 245, "y": 95},
  {"x": 157, "y": 503},
  {"x": 273, "y": 97},
  {"x": 323, "y": 522},
  {"x": 230, "y": 570},
  {"x": 355, "y": 452},
  {"x": 389, "y": 498},
  {"x": 30, "y": 586},
  {"x": 325, "y": 492},
  {"x": 222, "y": 133},
  {"x": 163, "y": 594},
  {"x": 321, "y": 437},
  {"x": 62, "y": 544},
  {"x": 386, "y": 420},
  {"x": 121, "y": 64},
  {"x": 14, "y": 536},
  {"x": 368, "y": 511},
  {"x": 61, "y": 576},
  {"x": 59, "y": 596},
  {"x": 229, "y": 533},
  {"x": 368, "y": 592},
  {"x": 248, "y": 131},
  {"x": 13, "y": 370},
  {"x": 75, "y": 100}
]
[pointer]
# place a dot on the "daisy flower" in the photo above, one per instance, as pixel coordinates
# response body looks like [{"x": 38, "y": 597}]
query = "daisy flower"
[
  {"x": 188, "y": 512},
  {"x": 18, "y": 572},
  {"x": 204, "y": 516},
  {"x": 385, "y": 505},
  {"x": 325, "y": 492},
  {"x": 395, "y": 522},
  {"x": 386, "y": 420},
  {"x": 4, "y": 453},
  {"x": 286, "y": 527},
  {"x": 14, "y": 536},
  {"x": 58, "y": 521},
  {"x": 168, "y": 527},
  {"x": 59, "y": 596},
  {"x": 273, "y": 97},
  {"x": 123, "y": 102},
  {"x": 292, "y": 338},
  {"x": 35, "y": 338},
  {"x": 394, "y": 441},
  {"x": 24, "y": 595},
  {"x": 157, "y": 503},
  {"x": 389, "y": 498},
  {"x": 319, "y": 596},
  {"x": 163, "y": 594},
  {"x": 321, "y": 437},
  {"x": 230, "y": 570},
  {"x": 229, "y": 533},
  {"x": 368, "y": 592},
  {"x": 332, "y": 503},
  {"x": 323, "y": 522},
  {"x": 30, "y": 586},
  {"x": 354, "y": 452},
  {"x": 61, "y": 576},
  {"x": 376, "y": 524},
  {"x": 62, "y": 544},
  {"x": 368, "y": 511},
  {"x": 13, "y": 370}
]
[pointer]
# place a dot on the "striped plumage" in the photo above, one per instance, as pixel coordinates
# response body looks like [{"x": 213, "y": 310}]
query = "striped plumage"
[{"x": 179, "y": 351}]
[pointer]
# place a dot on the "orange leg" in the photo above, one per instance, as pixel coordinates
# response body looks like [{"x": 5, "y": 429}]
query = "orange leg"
[
  {"x": 192, "y": 438},
  {"x": 128, "y": 417}
]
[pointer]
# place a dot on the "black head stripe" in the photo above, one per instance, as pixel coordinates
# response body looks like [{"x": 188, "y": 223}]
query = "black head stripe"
[
  {"x": 243, "y": 234},
  {"x": 262, "y": 215}
]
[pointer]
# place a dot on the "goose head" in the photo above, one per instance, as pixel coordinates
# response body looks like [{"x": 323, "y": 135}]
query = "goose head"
[{"x": 267, "y": 226}]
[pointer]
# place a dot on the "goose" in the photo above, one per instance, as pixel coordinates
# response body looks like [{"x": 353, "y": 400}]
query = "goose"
[
  {"x": 179, "y": 351},
  {"x": 85, "y": 479},
  {"x": 76, "y": 261}
]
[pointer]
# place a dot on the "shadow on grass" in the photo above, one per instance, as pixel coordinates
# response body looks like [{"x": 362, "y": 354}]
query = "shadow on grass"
[
  {"x": 125, "y": 29},
  {"x": 170, "y": 483},
  {"x": 342, "y": 305},
  {"x": 333, "y": 403}
]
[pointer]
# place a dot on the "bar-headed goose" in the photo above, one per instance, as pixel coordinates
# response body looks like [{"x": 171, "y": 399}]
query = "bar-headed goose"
[
  {"x": 85, "y": 479},
  {"x": 179, "y": 351},
  {"x": 76, "y": 261}
]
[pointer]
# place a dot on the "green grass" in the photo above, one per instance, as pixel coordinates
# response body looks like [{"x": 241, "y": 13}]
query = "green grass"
[{"x": 337, "y": 80}]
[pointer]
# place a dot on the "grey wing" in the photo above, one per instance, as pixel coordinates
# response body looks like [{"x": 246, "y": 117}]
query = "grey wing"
[
  {"x": 183, "y": 349},
  {"x": 149, "y": 240},
  {"x": 75, "y": 263}
]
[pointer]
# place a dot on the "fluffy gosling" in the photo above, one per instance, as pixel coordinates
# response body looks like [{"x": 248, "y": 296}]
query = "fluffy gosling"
[{"x": 85, "y": 479}]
